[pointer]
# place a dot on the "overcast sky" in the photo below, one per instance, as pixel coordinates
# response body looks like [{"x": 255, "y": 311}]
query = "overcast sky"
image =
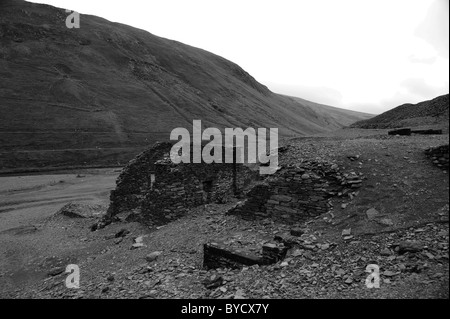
[{"x": 366, "y": 55}]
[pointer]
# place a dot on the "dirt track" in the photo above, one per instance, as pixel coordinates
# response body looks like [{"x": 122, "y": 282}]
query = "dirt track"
[
  {"x": 26, "y": 202},
  {"x": 24, "y": 199}
]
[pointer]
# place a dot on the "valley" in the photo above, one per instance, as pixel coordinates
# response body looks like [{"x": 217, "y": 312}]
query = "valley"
[
  {"x": 87, "y": 180},
  {"x": 400, "y": 183}
]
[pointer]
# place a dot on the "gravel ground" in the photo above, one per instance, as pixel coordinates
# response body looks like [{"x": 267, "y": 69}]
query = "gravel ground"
[{"x": 400, "y": 184}]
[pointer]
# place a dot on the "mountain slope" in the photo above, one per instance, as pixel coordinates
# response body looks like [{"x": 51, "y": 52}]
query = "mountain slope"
[
  {"x": 109, "y": 85},
  {"x": 432, "y": 112},
  {"x": 334, "y": 116}
]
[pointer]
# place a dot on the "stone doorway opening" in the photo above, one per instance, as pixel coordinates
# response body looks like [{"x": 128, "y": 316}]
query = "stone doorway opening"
[{"x": 207, "y": 190}]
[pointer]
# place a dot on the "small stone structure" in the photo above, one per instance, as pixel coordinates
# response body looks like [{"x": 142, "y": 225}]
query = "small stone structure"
[
  {"x": 135, "y": 179},
  {"x": 217, "y": 255},
  {"x": 439, "y": 155},
  {"x": 157, "y": 191},
  {"x": 427, "y": 132},
  {"x": 408, "y": 132},
  {"x": 402, "y": 131},
  {"x": 295, "y": 193}
]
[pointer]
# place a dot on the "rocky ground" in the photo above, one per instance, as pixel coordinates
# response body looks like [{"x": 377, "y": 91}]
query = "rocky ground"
[{"x": 397, "y": 219}]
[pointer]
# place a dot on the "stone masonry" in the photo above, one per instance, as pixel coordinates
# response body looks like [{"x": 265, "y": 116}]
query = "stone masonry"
[
  {"x": 217, "y": 255},
  {"x": 135, "y": 179},
  {"x": 153, "y": 190},
  {"x": 295, "y": 193},
  {"x": 439, "y": 155},
  {"x": 157, "y": 191}
]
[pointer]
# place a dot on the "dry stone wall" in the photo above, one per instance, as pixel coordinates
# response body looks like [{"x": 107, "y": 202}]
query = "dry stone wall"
[
  {"x": 439, "y": 155},
  {"x": 179, "y": 187},
  {"x": 219, "y": 255},
  {"x": 156, "y": 191},
  {"x": 135, "y": 179},
  {"x": 296, "y": 193}
]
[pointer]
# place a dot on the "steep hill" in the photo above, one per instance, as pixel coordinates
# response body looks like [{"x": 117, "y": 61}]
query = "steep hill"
[
  {"x": 334, "y": 116},
  {"x": 432, "y": 112},
  {"x": 93, "y": 94}
]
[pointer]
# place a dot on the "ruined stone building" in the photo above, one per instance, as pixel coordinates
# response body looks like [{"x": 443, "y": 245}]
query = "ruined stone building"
[
  {"x": 296, "y": 192},
  {"x": 154, "y": 190}
]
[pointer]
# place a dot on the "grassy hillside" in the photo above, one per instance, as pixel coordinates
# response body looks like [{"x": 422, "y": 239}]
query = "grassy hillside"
[
  {"x": 334, "y": 116},
  {"x": 109, "y": 85},
  {"x": 433, "y": 112}
]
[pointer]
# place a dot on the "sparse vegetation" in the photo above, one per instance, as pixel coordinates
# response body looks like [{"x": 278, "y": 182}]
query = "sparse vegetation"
[{"x": 99, "y": 95}]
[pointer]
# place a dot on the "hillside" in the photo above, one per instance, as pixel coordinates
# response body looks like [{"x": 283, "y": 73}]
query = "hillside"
[
  {"x": 432, "y": 112},
  {"x": 334, "y": 116},
  {"x": 396, "y": 217},
  {"x": 100, "y": 93}
]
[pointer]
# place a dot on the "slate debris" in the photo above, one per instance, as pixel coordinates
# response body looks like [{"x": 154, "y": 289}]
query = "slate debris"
[
  {"x": 213, "y": 282},
  {"x": 153, "y": 256},
  {"x": 346, "y": 232},
  {"x": 56, "y": 271},
  {"x": 122, "y": 233},
  {"x": 297, "y": 232},
  {"x": 79, "y": 211},
  {"x": 372, "y": 213},
  {"x": 409, "y": 246},
  {"x": 138, "y": 242},
  {"x": 309, "y": 266}
]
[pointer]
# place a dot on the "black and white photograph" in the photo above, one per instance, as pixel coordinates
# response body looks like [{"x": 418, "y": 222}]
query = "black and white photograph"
[{"x": 226, "y": 156}]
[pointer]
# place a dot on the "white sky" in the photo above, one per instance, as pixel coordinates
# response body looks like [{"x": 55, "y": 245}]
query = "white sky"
[{"x": 366, "y": 55}]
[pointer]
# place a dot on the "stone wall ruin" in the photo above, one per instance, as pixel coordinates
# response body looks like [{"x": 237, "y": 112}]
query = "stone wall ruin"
[
  {"x": 135, "y": 179},
  {"x": 156, "y": 191},
  {"x": 296, "y": 193},
  {"x": 439, "y": 155}
]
